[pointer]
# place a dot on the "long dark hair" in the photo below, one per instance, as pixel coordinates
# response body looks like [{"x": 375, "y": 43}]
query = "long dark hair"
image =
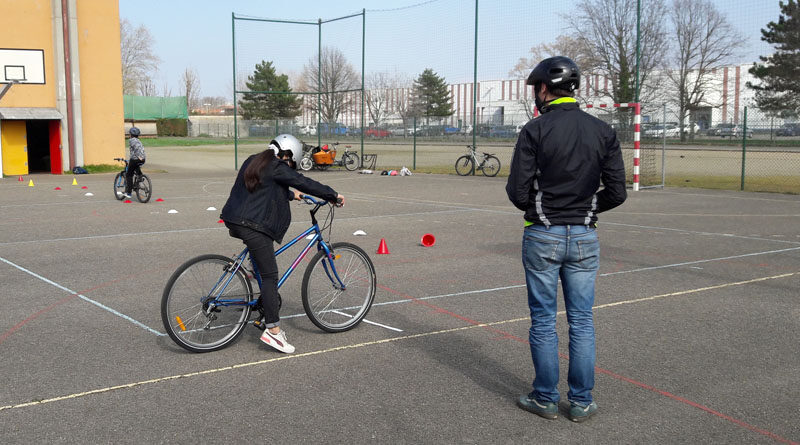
[{"x": 252, "y": 174}]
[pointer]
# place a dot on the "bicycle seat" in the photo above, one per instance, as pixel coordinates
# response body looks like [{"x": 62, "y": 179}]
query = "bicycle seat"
[{"x": 488, "y": 154}]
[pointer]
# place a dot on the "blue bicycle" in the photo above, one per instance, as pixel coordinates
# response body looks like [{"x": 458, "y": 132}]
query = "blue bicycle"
[
  {"x": 141, "y": 183},
  {"x": 207, "y": 302}
]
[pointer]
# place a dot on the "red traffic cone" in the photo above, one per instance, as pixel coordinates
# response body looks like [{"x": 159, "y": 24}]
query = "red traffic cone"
[
  {"x": 428, "y": 240},
  {"x": 382, "y": 249},
  {"x": 57, "y": 188},
  {"x": 20, "y": 179}
]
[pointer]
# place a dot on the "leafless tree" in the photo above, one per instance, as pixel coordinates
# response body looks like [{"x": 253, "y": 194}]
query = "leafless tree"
[
  {"x": 190, "y": 87},
  {"x": 381, "y": 90},
  {"x": 704, "y": 40},
  {"x": 403, "y": 104},
  {"x": 337, "y": 76},
  {"x": 166, "y": 90},
  {"x": 607, "y": 28},
  {"x": 139, "y": 61},
  {"x": 146, "y": 87}
]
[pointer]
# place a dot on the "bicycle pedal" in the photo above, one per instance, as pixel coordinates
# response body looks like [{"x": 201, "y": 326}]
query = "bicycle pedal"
[{"x": 260, "y": 325}]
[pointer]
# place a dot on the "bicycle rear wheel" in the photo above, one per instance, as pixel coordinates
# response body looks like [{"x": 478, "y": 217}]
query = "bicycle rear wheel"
[
  {"x": 119, "y": 185},
  {"x": 491, "y": 166},
  {"x": 464, "y": 165},
  {"x": 191, "y": 307},
  {"x": 329, "y": 307},
  {"x": 144, "y": 188},
  {"x": 350, "y": 161}
]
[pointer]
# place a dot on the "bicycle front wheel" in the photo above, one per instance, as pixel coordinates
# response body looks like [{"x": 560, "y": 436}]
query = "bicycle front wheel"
[
  {"x": 306, "y": 164},
  {"x": 330, "y": 307},
  {"x": 464, "y": 165},
  {"x": 203, "y": 307},
  {"x": 119, "y": 185},
  {"x": 350, "y": 161},
  {"x": 491, "y": 166},
  {"x": 144, "y": 189}
]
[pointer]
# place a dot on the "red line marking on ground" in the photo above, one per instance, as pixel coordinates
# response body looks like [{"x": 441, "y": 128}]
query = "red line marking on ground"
[{"x": 506, "y": 335}]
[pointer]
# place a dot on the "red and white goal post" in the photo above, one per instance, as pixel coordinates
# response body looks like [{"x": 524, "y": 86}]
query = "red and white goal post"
[{"x": 637, "y": 121}]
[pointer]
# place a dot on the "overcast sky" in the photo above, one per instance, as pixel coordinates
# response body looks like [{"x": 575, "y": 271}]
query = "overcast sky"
[{"x": 400, "y": 36}]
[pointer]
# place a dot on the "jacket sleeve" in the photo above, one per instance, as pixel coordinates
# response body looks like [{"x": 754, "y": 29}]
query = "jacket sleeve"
[
  {"x": 612, "y": 175},
  {"x": 287, "y": 176},
  {"x": 523, "y": 171}
]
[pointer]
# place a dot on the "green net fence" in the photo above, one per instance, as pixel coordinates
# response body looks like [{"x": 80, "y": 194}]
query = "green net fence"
[
  {"x": 145, "y": 108},
  {"x": 416, "y": 84}
]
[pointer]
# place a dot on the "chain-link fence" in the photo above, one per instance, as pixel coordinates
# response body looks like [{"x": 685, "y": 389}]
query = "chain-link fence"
[{"x": 417, "y": 84}]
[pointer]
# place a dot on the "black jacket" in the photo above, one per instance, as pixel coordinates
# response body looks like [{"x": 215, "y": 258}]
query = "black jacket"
[
  {"x": 267, "y": 208},
  {"x": 559, "y": 162}
]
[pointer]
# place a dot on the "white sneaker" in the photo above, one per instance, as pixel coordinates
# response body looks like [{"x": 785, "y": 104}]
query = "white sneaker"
[{"x": 277, "y": 341}]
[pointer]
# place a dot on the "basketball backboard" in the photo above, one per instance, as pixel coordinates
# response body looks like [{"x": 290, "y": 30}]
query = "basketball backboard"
[{"x": 22, "y": 66}]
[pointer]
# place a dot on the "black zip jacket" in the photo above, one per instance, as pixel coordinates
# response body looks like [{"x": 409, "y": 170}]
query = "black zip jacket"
[
  {"x": 267, "y": 208},
  {"x": 559, "y": 162}
]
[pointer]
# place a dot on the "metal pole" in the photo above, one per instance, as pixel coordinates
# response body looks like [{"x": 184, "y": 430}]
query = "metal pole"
[
  {"x": 319, "y": 81},
  {"x": 235, "y": 106},
  {"x": 414, "y": 165},
  {"x": 638, "y": 49},
  {"x": 475, "y": 78},
  {"x": 363, "y": 58},
  {"x": 744, "y": 145},
  {"x": 664, "y": 151}
]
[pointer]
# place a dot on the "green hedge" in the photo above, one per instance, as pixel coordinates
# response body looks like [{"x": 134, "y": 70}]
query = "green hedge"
[{"x": 172, "y": 127}]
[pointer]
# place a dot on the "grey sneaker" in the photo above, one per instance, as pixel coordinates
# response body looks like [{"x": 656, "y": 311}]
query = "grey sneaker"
[
  {"x": 579, "y": 413},
  {"x": 548, "y": 410}
]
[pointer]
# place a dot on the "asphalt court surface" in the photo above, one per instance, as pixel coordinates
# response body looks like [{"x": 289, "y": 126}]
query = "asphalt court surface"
[{"x": 697, "y": 314}]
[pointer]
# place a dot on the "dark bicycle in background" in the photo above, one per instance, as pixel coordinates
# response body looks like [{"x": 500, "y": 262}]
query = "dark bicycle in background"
[{"x": 142, "y": 186}]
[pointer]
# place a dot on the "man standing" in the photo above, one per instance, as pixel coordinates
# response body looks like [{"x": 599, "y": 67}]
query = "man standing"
[{"x": 559, "y": 162}]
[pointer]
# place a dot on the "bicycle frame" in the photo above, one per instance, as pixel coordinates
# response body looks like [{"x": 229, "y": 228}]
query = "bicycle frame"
[{"x": 237, "y": 264}]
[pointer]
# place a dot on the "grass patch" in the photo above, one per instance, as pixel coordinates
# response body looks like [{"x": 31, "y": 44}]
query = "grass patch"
[
  {"x": 173, "y": 141},
  {"x": 441, "y": 170},
  {"x": 771, "y": 184}
]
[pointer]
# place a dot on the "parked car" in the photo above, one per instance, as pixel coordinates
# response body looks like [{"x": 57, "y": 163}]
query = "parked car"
[
  {"x": 308, "y": 130},
  {"x": 498, "y": 131},
  {"x": 377, "y": 133},
  {"x": 326, "y": 128},
  {"x": 732, "y": 131},
  {"x": 398, "y": 131},
  {"x": 788, "y": 130}
]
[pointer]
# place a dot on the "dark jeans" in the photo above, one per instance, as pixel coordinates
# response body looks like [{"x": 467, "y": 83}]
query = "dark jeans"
[
  {"x": 134, "y": 165},
  {"x": 262, "y": 252}
]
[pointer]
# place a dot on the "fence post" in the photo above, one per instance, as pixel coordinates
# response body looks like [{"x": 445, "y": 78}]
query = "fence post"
[
  {"x": 414, "y": 165},
  {"x": 744, "y": 145},
  {"x": 664, "y": 150}
]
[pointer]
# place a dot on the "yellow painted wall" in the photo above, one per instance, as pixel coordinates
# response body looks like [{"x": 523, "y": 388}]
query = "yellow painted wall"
[
  {"x": 14, "y": 141},
  {"x": 101, "y": 81},
  {"x": 27, "y": 24}
]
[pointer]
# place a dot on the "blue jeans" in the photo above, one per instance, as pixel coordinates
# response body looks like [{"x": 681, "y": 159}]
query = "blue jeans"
[{"x": 571, "y": 253}]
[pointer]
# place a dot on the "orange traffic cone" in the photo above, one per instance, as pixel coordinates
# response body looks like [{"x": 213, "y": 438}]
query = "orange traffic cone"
[{"x": 382, "y": 249}]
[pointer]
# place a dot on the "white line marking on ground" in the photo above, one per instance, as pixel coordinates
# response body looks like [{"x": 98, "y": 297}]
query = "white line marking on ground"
[
  {"x": 698, "y": 232},
  {"x": 370, "y": 322},
  {"x": 362, "y": 345},
  {"x": 84, "y": 298}
]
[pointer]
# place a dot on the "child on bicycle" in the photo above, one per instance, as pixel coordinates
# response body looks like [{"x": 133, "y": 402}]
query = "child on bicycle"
[
  {"x": 257, "y": 212},
  {"x": 136, "y": 160}
]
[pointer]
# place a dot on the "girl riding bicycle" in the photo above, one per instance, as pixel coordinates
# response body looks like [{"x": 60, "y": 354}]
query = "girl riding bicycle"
[{"x": 257, "y": 212}]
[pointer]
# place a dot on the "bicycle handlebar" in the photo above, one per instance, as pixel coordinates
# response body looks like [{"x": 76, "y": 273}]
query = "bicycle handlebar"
[{"x": 310, "y": 200}]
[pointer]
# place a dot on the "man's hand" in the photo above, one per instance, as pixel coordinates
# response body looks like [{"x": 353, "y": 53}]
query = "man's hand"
[{"x": 297, "y": 195}]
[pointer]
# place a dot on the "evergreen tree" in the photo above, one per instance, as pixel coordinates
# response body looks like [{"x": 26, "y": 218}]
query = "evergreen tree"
[
  {"x": 779, "y": 90},
  {"x": 430, "y": 96},
  {"x": 265, "y": 106}
]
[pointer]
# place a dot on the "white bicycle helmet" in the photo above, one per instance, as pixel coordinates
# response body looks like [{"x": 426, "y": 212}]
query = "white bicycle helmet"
[{"x": 287, "y": 142}]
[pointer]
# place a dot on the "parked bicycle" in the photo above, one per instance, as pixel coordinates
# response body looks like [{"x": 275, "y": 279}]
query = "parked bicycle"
[
  {"x": 324, "y": 157},
  {"x": 487, "y": 163},
  {"x": 207, "y": 302},
  {"x": 141, "y": 183}
]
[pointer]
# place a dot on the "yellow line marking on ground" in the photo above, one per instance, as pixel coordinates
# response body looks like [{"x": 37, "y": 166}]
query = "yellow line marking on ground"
[{"x": 369, "y": 343}]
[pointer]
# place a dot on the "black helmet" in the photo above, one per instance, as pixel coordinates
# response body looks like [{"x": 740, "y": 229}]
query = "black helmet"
[
  {"x": 556, "y": 72},
  {"x": 135, "y": 132}
]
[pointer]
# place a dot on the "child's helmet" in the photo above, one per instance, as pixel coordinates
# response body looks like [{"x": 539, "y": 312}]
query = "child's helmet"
[
  {"x": 289, "y": 143},
  {"x": 135, "y": 132}
]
